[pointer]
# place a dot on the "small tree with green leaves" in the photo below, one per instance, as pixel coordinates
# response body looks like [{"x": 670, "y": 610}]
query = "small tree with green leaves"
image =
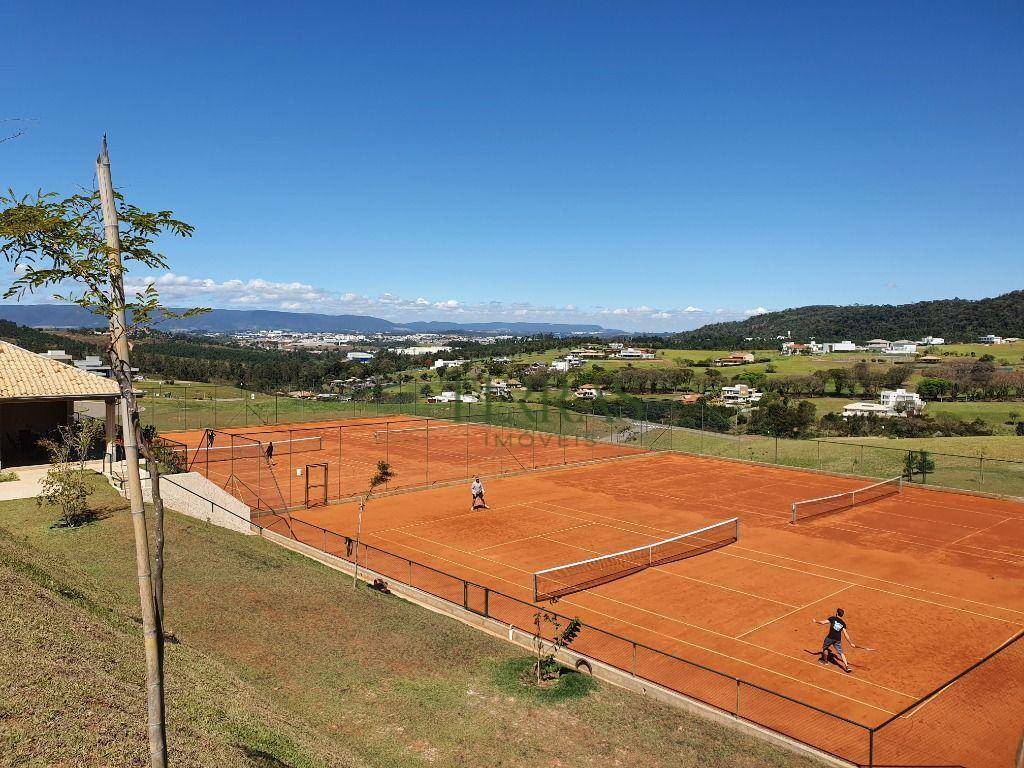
[
  {"x": 909, "y": 465},
  {"x": 924, "y": 465},
  {"x": 546, "y": 668},
  {"x": 66, "y": 485},
  {"x": 382, "y": 476}
]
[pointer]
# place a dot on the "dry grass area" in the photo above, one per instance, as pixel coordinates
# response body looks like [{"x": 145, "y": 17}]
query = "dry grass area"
[{"x": 282, "y": 663}]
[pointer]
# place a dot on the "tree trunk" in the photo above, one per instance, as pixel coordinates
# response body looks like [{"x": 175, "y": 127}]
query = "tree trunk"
[{"x": 120, "y": 367}]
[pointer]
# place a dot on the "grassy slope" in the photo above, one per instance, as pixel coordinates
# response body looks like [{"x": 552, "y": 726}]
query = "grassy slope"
[{"x": 282, "y": 663}]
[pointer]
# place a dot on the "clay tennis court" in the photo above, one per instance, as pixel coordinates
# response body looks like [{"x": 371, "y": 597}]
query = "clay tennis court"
[
  {"x": 314, "y": 463},
  {"x": 931, "y": 580}
]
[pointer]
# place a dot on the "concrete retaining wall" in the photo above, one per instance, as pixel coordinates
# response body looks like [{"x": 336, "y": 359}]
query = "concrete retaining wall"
[{"x": 191, "y": 494}]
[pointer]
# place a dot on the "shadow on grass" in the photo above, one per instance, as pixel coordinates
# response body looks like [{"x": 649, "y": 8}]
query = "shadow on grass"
[{"x": 517, "y": 677}]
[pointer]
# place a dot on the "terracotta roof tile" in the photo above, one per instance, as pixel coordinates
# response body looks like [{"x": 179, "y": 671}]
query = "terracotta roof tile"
[{"x": 26, "y": 375}]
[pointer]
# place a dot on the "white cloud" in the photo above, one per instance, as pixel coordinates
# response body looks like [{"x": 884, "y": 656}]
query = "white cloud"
[
  {"x": 756, "y": 311},
  {"x": 179, "y": 290}
]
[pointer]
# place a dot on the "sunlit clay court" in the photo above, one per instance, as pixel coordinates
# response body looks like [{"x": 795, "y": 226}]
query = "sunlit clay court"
[{"x": 702, "y": 575}]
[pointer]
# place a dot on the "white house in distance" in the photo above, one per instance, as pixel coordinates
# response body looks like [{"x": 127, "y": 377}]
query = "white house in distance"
[
  {"x": 451, "y": 397},
  {"x": 799, "y": 348},
  {"x": 878, "y": 345},
  {"x": 991, "y": 339},
  {"x": 439, "y": 363},
  {"x": 867, "y": 409},
  {"x": 630, "y": 353},
  {"x": 498, "y": 388},
  {"x": 740, "y": 394},
  {"x": 898, "y": 348},
  {"x": 588, "y": 393},
  {"x": 891, "y": 402},
  {"x": 901, "y": 400},
  {"x": 932, "y": 341},
  {"x": 359, "y": 357},
  {"x": 566, "y": 364},
  {"x": 839, "y": 346}
]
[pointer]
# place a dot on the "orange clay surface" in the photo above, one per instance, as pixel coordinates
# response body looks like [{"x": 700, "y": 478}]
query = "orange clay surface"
[
  {"x": 932, "y": 580},
  {"x": 421, "y": 452}
]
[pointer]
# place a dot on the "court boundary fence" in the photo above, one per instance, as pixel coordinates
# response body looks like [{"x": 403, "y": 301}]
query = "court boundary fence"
[
  {"x": 972, "y": 473},
  {"x": 827, "y": 732}
]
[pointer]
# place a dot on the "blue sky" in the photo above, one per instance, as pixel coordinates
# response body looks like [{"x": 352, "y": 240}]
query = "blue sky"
[{"x": 641, "y": 165}]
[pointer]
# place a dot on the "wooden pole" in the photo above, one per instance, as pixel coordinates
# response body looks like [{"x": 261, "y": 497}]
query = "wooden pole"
[{"x": 129, "y": 416}]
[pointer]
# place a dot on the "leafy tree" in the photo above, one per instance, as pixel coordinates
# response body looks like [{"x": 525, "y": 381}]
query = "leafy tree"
[
  {"x": 64, "y": 244},
  {"x": 934, "y": 388},
  {"x": 777, "y": 416},
  {"x": 383, "y": 475},
  {"x": 546, "y": 667},
  {"x": 924, "y": 465}
]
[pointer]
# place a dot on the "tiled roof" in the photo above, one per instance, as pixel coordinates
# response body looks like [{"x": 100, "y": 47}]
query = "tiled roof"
[{"x": 26, "y": 375}]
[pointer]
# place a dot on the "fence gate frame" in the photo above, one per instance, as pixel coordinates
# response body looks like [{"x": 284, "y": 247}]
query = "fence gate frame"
[{"x": 316, "y": 492}]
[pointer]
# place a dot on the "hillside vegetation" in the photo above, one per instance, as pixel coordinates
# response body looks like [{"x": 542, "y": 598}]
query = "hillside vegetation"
[{"x": 952, "y": 319}]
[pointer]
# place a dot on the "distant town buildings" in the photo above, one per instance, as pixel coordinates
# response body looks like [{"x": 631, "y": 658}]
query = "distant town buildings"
[{"x": 359, "y": 357}]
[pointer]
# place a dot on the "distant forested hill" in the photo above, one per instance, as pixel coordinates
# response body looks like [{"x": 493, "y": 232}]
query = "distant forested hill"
[
  {"x": 39, "y": 341},
  {"x": 952, "y": 319}
]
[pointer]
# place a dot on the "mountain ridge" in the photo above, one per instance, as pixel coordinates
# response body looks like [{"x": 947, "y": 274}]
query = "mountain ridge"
[
  {"x": 236, "y": 320},
  {"x": 953, "y": 319}
]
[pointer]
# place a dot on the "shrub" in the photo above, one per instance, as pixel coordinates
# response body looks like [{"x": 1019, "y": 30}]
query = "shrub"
[{"x": 66, "y": 485}]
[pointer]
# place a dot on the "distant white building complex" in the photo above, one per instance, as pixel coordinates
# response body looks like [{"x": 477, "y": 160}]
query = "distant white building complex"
[
  {"x": 891, "y": 402},
  {"x": 739, "y": 395}
]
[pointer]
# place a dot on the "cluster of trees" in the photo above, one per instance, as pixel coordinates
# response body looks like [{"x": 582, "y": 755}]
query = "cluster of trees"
[
  {"x": 39, "y": 341},
  {"x": 972, "y": 380},
  {"x": 198, "y": 359},
  {"x": 779, "y": 416},
  {"x": 922, "y": 425},
  {"x": 861, "y": 377},
  {"x": 700, "y": 415}
]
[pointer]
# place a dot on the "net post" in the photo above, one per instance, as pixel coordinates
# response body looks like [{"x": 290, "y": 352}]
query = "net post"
[
  {"x": 535, "y": 588},
  {"x": 792, "y": 519},
  {"x": 737, "y": 697},
  {"x": 871, "y": 748}
]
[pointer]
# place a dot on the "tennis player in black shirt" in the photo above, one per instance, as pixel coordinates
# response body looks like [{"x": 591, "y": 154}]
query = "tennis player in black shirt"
[{"x": 834, "y": 638}]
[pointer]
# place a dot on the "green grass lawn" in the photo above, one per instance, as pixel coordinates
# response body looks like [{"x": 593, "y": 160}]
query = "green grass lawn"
[{"x": 281, "y": 663}]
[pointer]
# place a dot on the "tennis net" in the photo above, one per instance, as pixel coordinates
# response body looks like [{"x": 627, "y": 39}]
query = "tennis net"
[
  {"x": 249, "y": 449},
  {"x": 575, "y": 577},
  {"x": 803, "y": 510},
  {"x": 422, "y": 433}
]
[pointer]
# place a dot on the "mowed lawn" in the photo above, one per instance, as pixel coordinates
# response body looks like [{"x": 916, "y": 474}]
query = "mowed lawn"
[{"x": 280, "y": 662}]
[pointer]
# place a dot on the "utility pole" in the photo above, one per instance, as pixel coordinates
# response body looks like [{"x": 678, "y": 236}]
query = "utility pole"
[{"x": 129, "y": 414}]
